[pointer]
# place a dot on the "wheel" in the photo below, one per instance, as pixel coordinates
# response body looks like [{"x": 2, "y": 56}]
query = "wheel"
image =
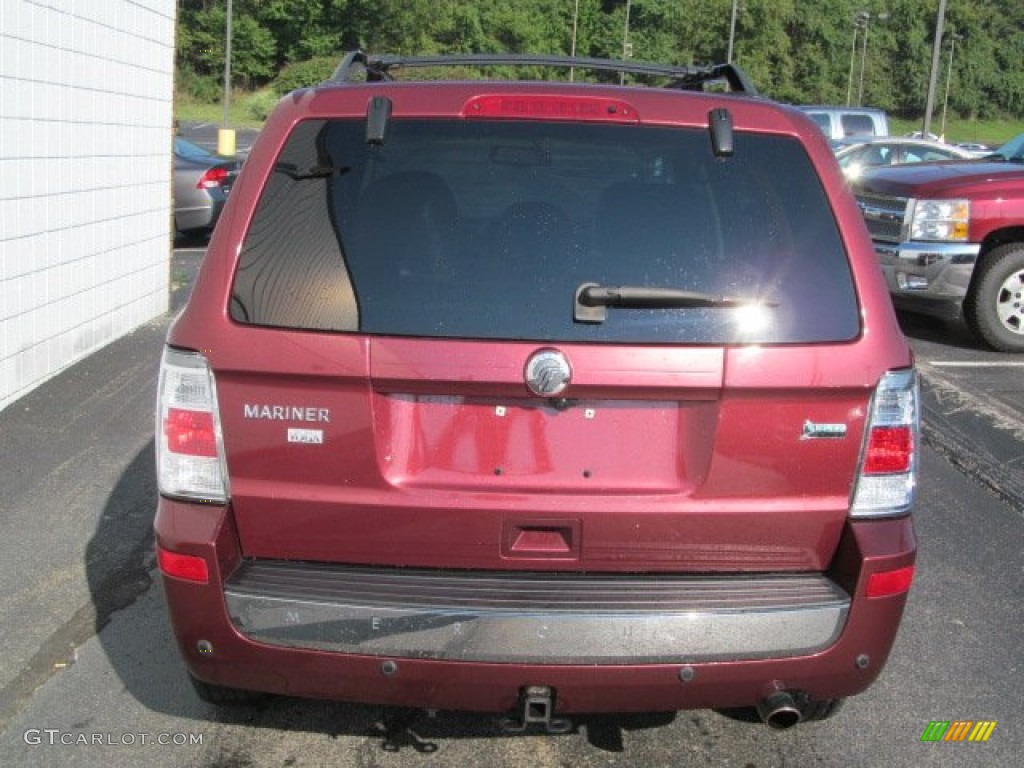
[
  {"x": 994, "y": 307},
  {"x": 220, "y": 695}
]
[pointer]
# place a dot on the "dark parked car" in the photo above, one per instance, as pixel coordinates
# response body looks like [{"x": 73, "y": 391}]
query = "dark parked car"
[
  {"x": 202, "y": 182},
  {"x": 538, "y": 398}
]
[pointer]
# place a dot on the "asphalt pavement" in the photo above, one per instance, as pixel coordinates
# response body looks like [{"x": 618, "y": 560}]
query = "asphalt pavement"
[{"x": 77, "y": 461}]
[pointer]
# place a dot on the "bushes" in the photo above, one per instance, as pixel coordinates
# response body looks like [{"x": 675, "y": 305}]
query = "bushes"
[
  {"x": 204, "y": 89},
  {"x": 304, "y": 73},
  {"x": 260, "y": 104}
]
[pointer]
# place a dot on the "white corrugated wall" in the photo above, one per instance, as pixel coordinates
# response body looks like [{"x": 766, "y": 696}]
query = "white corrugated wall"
[{"x": 86, "y": 89}]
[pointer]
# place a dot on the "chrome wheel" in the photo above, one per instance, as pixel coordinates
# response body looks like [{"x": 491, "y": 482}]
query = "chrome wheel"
[
  {"x": 1010, "y": 303},
  {"x": 994, "y": 305}
]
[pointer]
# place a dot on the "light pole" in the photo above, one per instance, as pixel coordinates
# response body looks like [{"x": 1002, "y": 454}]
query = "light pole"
[
  {"x": 864, "y": 50},
  {"x": 225, "y": 135},
  {"x": 575, "y": 23},
  {"x": 732, "y": 29},
  {"x": 858, "y": 23},
  {"x": 626, "y": 48},
  {"x": 953, "y": 37}
]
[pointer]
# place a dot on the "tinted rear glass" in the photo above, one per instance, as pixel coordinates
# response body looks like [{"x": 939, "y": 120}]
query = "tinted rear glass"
[
  {"x": 486, "y": 229},
  {"x": 824, "y": 121},
  {"x": 858, "y": 125}
]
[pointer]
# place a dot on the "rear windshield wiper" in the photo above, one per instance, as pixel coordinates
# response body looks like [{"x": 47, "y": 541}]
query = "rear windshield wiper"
[
  {"x": 593, "y": 300},
  {"x": 293, "y": 172}
]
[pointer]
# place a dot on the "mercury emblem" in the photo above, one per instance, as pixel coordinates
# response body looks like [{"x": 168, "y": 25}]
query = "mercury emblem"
[{"x": 547, "y": 373}]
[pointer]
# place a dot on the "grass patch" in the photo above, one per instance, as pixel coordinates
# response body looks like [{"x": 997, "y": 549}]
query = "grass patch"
[
  {"x": 241, "y": 116},
  {"x": 991, "y": 132}
]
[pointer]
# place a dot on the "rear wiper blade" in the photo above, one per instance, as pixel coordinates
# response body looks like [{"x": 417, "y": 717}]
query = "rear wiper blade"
[
  {"x": 293, "y": 172},
  {"x": 593, "y": 300}
]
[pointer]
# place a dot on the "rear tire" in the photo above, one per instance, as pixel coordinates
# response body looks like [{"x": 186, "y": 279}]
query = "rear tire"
[
  {"x": 994, "y": 307},
  {"x": 221, "y": 695}
]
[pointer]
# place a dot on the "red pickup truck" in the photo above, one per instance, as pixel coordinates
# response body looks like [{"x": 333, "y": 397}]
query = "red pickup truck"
[{"x": 950, "y": 237}]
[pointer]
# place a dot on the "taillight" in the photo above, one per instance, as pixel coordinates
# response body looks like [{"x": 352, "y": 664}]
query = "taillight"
[
  {"x": 189, "y": 448},
  {"x": 213, "y": 177},
  {"x": 887, "y": 480}
]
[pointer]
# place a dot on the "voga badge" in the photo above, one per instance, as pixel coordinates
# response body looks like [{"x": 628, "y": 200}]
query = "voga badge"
[{"x": 308, "y": 436}]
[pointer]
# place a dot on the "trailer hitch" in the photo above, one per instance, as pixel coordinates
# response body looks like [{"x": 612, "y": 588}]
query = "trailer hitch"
[{"x": 536, "y": 706}]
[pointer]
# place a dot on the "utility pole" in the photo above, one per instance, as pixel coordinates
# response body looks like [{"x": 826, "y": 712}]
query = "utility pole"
[
  {"x": 953, "y": 37},
  {"x": 936, "y": 63}
]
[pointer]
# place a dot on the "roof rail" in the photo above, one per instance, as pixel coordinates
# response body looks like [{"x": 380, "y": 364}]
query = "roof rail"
[{"x": 691, "y": 78}]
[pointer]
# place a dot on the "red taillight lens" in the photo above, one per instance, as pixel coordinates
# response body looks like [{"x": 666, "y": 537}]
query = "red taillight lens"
[
  {"x": 189, "y": 446},
  {"x": 524, "y": 106},
  {"x": 890, "y": 449},
  {"x": 187, "y": 567},
  {"x": 885, "y": 583},
  {"x": 214, "y": 177},
  {"x": 190, "y": 433},
  {"x": 887, "y": 477}
]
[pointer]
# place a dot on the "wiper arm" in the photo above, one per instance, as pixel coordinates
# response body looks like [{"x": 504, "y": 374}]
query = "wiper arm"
[
  {"x": 593, "y": 300},
  {"x": 293, "y": 172}
]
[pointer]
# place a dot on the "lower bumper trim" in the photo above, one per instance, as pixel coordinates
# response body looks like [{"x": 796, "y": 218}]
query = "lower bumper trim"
[{"x": 545, "y": 618}]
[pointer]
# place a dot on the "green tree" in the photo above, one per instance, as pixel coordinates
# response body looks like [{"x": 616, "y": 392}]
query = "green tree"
[{"x": 795, "y": 50}]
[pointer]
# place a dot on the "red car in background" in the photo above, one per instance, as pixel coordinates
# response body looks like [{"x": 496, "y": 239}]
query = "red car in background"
[{"x": 950, "y": 240}]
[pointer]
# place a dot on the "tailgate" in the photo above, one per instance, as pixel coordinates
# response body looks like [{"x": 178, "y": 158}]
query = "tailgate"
[{"x": 433, "y": 453}]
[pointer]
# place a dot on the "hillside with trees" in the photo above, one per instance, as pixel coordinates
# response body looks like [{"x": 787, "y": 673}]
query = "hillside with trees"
[{"x": 800, "y": 51}]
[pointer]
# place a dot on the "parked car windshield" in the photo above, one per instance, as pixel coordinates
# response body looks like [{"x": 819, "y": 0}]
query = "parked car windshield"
[
  {"x": 190, "y": 151},
  {"x": 1013, "y": 150},
  {"x": 489, "y": 229}
]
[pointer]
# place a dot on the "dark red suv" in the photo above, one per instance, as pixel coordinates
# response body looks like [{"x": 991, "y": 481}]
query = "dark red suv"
[{"x": 538, "y": 398}]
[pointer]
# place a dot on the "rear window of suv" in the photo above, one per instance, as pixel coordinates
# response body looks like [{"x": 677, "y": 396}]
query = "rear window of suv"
[{"x": 486, "y": 229}]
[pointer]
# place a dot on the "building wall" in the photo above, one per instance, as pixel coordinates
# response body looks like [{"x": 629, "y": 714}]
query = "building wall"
[{"x": 86, "y": 90}]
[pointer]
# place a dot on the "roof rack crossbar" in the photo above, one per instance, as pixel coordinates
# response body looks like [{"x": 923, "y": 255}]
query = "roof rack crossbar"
[{"x": 378, "y": 68}]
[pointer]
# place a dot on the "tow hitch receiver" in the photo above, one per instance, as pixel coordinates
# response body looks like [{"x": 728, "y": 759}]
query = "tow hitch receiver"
[{"x": 536, "y": 705}]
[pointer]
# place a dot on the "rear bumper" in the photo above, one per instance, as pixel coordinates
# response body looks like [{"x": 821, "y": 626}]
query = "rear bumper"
[
  {"x": 199, "y": 214},
  {"x": 302, "y": 630},
  {"x": 533, "y": 618}
]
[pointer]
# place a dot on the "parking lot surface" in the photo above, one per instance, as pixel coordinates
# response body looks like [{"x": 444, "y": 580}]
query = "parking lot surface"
[{"x": 90, "y": 675}]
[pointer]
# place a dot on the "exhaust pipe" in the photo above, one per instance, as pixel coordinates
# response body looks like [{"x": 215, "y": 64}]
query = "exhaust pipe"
[{"x": 779, "y": 711}]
